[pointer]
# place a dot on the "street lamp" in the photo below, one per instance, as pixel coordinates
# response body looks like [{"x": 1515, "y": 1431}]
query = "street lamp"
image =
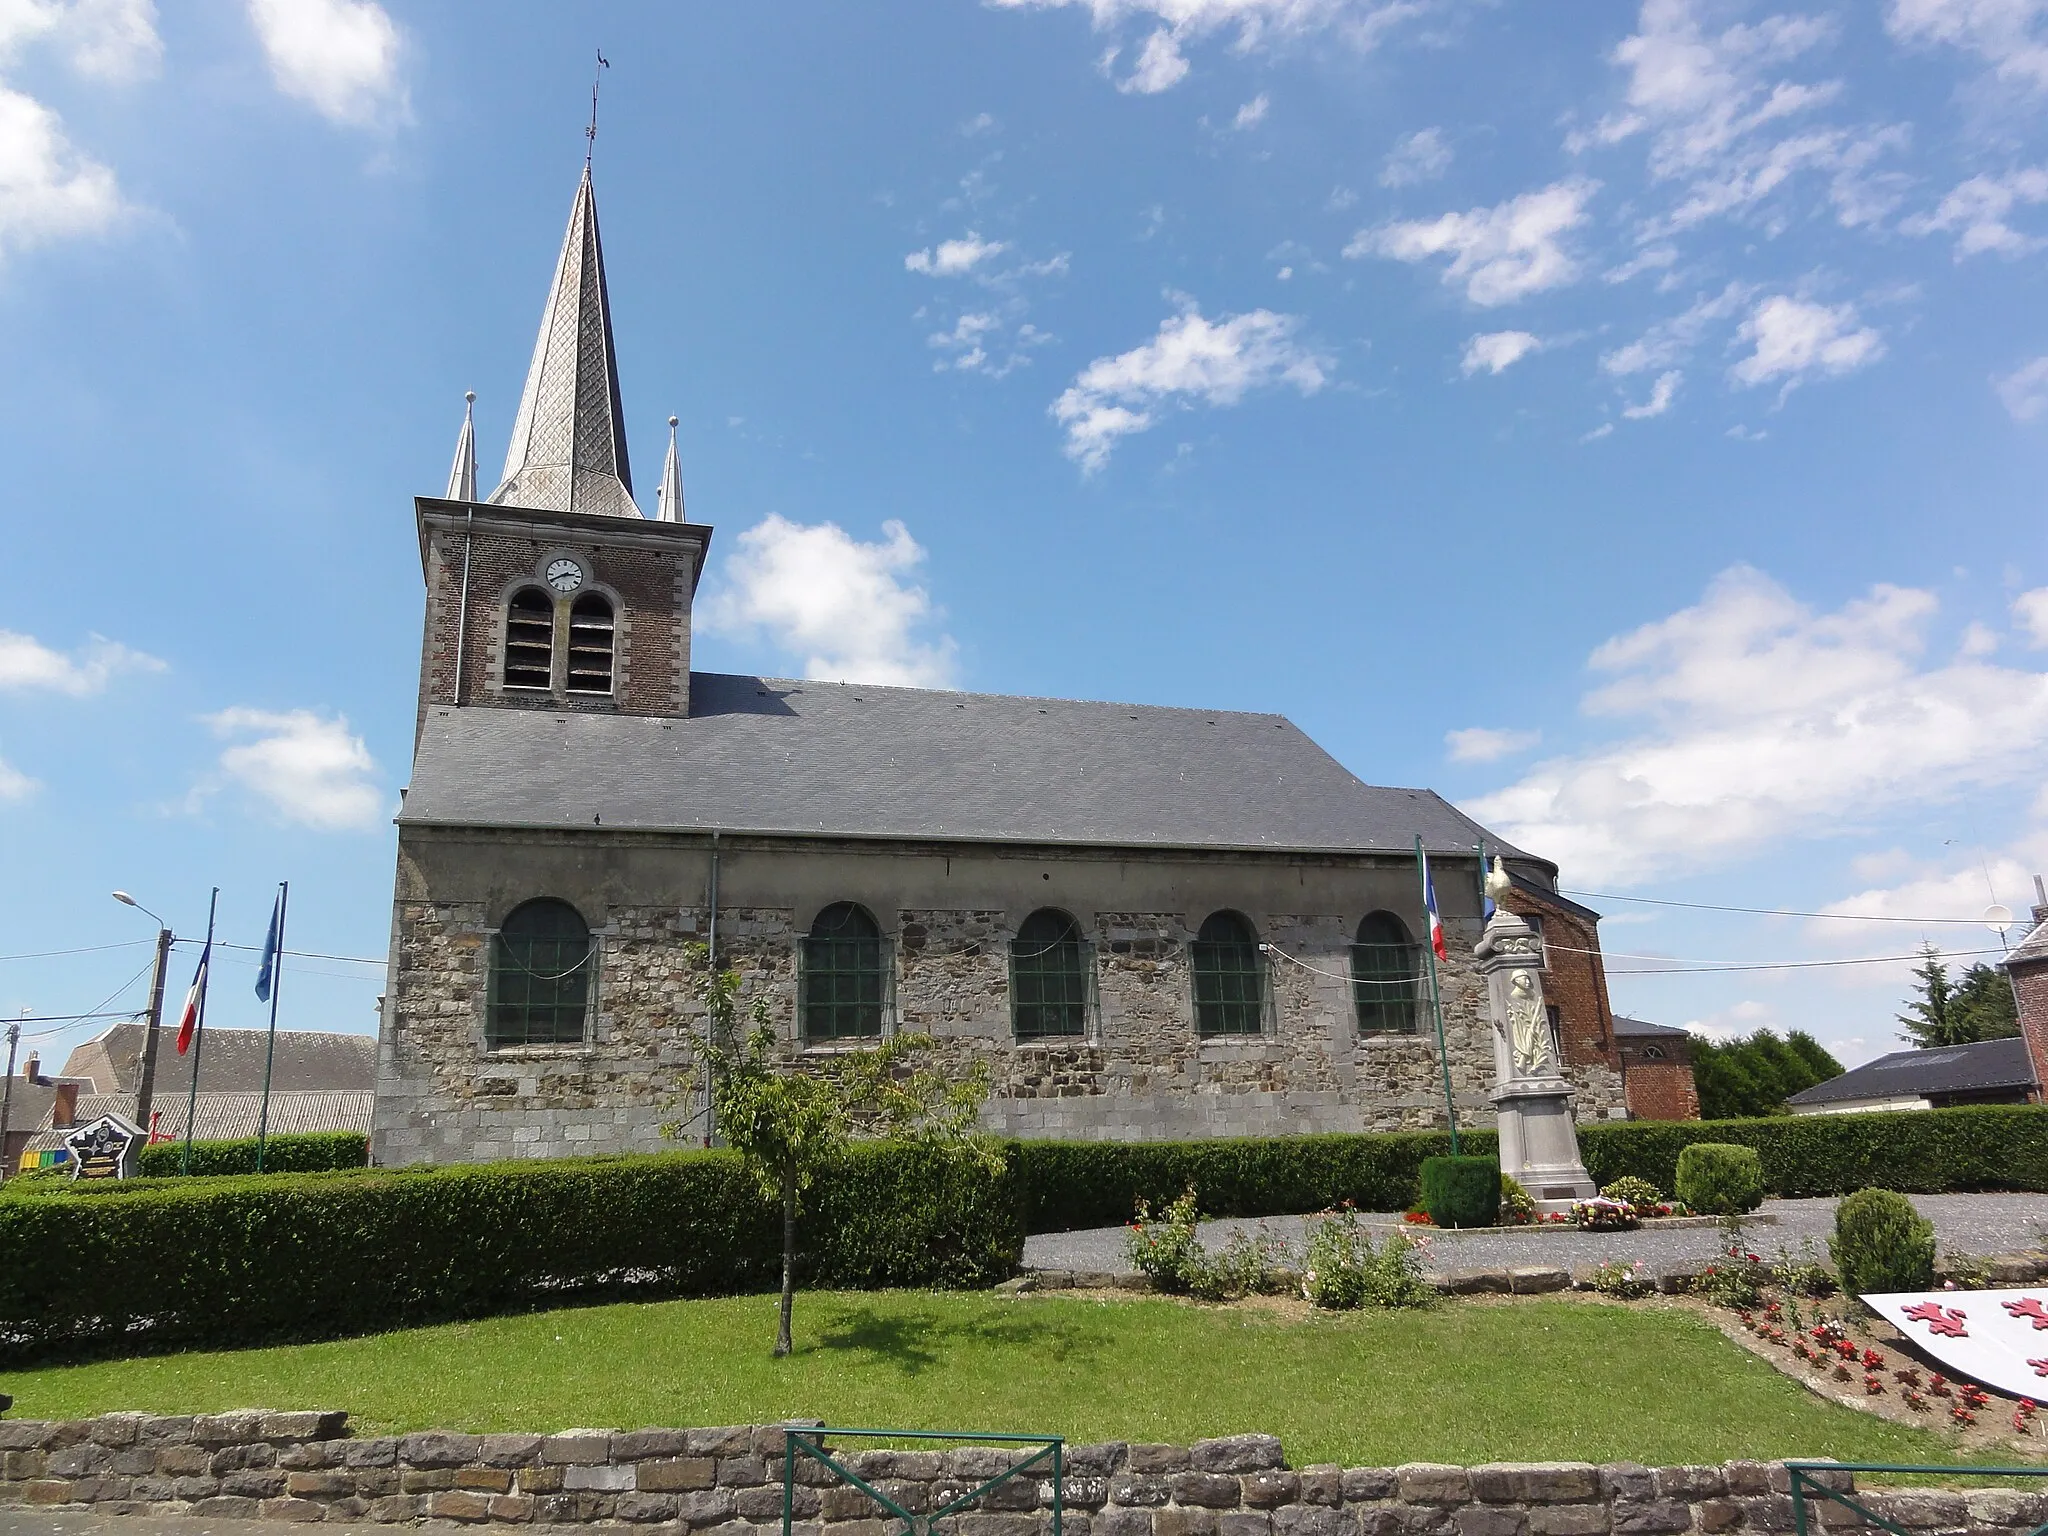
[{"x": 146, "y": 1093}]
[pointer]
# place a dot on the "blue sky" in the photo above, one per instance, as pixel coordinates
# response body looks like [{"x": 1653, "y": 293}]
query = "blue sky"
[{"x": 1630, "y": 422}]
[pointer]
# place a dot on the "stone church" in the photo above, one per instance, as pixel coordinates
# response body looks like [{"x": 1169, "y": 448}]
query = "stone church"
[{"x": 1148, "y": 922}]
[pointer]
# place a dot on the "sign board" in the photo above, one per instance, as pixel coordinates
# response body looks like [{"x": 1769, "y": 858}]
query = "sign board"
[
  {"x": 1998, "y": 1338},
  {"x": 104, "y": 1149}
]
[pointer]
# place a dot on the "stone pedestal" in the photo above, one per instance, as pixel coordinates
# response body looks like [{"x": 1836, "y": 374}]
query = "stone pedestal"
[{"x": 1539, "y": 1143}]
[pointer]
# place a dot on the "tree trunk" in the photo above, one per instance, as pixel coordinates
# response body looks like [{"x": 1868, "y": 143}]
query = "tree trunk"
[{"x": 782, "y": 1340}]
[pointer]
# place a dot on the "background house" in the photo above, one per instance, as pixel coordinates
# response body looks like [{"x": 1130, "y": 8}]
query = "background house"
[{"x": 1987, "y": 1072}]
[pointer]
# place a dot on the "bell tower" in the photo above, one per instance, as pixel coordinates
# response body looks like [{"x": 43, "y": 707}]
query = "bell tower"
[{"x": 556, "y": 592}]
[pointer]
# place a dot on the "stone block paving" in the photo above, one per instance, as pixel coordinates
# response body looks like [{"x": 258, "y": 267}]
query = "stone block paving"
[{"x": 1972, "y": 1224}]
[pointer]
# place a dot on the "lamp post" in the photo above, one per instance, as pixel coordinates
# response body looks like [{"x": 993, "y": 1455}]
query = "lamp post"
[{"x": 145, "y": 1096}]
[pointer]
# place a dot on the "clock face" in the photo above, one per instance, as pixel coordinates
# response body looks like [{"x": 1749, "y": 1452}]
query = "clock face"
[{"x": 564, "y": 575}]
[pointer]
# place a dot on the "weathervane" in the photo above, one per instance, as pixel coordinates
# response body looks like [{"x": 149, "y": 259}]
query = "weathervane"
[{"x": 590, "y": 133}]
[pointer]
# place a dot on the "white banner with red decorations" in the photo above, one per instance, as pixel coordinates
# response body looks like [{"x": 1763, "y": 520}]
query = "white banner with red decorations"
[{"x": 1999, "y": 1338}]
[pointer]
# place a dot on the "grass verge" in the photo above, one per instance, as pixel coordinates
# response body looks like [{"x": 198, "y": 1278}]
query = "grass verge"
[{"x": 1468, "y": 1382}]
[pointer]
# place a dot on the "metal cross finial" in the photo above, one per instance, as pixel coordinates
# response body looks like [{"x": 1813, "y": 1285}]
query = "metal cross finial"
[{"x": 590, "y": 133}]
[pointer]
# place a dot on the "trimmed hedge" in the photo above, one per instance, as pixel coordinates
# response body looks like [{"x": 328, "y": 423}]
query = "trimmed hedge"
[
  {"x": 1461, "y": 1191},
  {"x": 1076, "y": 1184},
  {"x": 1881, "y": 1244},
  {"x": 306, "y": 1152},
  {"x": 1720, "y": 1178},
  {"x": 239, "y": 1261}
]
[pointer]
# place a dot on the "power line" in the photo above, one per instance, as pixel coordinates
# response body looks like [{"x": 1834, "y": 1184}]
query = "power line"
[
  {"x": 1708, "y": 906},
  {"x": 1687, "y": 968},
  {"x": 89, "y": 949}
]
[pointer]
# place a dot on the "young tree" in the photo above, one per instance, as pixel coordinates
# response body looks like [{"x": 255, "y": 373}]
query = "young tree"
[
  {"x": 1823, "y": 1066},
  {"x": 792, "y": 1125},
  {"x": 1983, "y": 1003},
  {"x": 1930, "y": 1018}
]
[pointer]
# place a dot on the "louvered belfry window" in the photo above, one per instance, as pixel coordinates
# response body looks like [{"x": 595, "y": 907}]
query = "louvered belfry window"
[
  {"x": 844, "y": 980},
  {"x": 591, "y": 644},
  {"x": 1386, "y": 973},
  {"x": 530, "y": 640},
  {"x": 540, "y": 976},
  {"x": 1050, "y": 968},
  {"x": 1230, "y": 977}
]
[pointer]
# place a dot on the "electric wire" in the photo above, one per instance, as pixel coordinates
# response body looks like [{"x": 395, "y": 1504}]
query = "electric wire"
[
  {"x": 1709, "y": 906},
  {"x": 88, "y": 949}
]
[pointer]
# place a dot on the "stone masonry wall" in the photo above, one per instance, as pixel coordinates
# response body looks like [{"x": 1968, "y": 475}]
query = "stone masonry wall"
[
  {"x": 1141, "y": 1072},
  {"x": 728, "y": 1482}
]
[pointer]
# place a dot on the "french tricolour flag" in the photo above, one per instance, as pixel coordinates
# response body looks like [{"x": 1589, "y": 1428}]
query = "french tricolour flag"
[
  {"x": 195, "y": 999},
  {"x": 1436, "y": 924}
]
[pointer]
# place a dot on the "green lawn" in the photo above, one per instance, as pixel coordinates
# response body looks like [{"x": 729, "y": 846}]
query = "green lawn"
[{"x": 1536, "y": 1380}]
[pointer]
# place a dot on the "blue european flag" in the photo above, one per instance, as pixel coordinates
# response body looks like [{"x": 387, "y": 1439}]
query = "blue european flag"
[{"x": 266, "y": 975}]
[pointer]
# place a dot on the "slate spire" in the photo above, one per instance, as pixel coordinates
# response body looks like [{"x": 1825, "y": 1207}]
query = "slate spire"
[
  {"x": 668, "y": 500},
  {"x": 462, "y": 473},
  {"x": 568, "y": 450}
]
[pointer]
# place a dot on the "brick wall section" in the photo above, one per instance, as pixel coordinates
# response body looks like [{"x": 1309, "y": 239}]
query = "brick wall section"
[
  {"x": 650, "y": 577},
  {"x": 1660, "y": 1090},
  {"x": 2030, "y": 986},
  {"x": 1574, "y": 980},
  {"x": 302, "y": 1466}
]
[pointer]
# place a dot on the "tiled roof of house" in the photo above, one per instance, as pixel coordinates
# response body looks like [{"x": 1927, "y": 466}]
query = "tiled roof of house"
[
  {"x": 772, "y": 755},
  {"x": 1636, "y": 1027},
  {"x": 1985, "y": 1065},
  {"x": 231, "y": 1061},
  {"x": 225, "y": 1116}
]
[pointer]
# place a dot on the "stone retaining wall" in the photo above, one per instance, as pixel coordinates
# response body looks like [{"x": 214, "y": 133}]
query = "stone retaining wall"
[{"x": 728, "y": 1482}]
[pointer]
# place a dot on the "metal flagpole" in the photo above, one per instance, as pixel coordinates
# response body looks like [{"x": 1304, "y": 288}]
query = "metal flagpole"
[
  {"x": 1436, "y": 1001},
  {"x": 198, "y": 1039},
  {"x": 7, "y": 1097},
  {"x": 267, "y": 981}
]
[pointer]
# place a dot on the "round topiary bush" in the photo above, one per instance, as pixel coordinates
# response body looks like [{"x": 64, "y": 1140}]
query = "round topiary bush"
[
  {"x": 1718, "y": 1179},
  {"x": 1461, "y": 1191},
  {"x": 1882, "y": 1244}
]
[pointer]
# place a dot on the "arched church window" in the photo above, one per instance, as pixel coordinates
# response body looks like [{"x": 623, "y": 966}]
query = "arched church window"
[
  {"x": 590, "y": 644},
  {"x": 1050, "y": 966},
  {"x": 540, "y": 983},
  {"x": 1230, "y": 977},
  {"x": 530, "y": 640},
  {"x": 1386, "y": 970},
  {"x": 843, "y": 981}
]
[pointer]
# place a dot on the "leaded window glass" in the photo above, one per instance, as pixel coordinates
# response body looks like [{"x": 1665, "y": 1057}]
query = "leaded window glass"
[
  {"x": 541, "y": 965},
  {"x": 530, "y": 640},
  {"x": 843, "y": 977},
  {"x": 1230, "y": 977},
  {"x": 1050, "y": 968},
  {"x": 1386, "y": 974}
]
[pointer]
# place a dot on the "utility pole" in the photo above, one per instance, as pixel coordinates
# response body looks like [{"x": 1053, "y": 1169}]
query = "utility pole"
[
  {"x": 7, "y": 1097},
  {"x": 146, "y": 1094}
]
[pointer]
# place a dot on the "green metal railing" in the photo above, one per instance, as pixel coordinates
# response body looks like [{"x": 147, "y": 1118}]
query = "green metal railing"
[
  {"x": 1807, "y": 1481},
  {"x": 810, "y": 1442}
]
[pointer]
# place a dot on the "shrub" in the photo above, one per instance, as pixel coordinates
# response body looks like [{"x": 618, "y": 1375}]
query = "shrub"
[
  {"x": 1630, "y": 1190},
  {"x": 311, "y": 1152},
  {"x": 1170, "y": 1253},
  {"x": 1461, "y": 1191},
  {"x": 1517, "y": 1208},
  {"x": 1718, "y": 1179},
  {"x": 1613, "y": 1277},
  {"x": 1343, "y": 1268},
  {"x": 1803, "y": 1274},
  {"x": 1736, "y": 1279},
  {"x": 1882, "y": 1244},
  {"x": 238, "y": 1261}
]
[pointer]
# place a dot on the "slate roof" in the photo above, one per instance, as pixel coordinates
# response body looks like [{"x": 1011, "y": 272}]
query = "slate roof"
[
  {"x": 773, "y": 755},
  {"x": 1988, "y": 1064},
  {"x": 225, "y": 1116},
  {"x": 231, "y": 1062},
  {"x": 1643, "y": 1027},
  {"x": 2034, "y": 946}
]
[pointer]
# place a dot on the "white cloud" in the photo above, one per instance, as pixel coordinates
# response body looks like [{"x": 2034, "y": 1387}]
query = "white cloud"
[
  {"x": 1251, "y": 113},
  {"x": 980, "y": 123},
  {"x": 2007, "y": 34},
  {"x": 339, "y": 56},
  {"x": 2024, "y": 391},
  {"x": 1796, "y": 340},
  {"x": 1500, "y": 254},
  {"x": 1416, "y": 157},
  {"x": 1481, "y": 744},
  {"x": 26, "y": 663},
  {"x": 1671, "y": 341},
  {"x": 1190, "y": 360},
  {"x": 1979, "y": 639},
  {"x": 954, "y": 258},
  {"x": 311, "y": 769},
  {"x": 1978, "y": 209},
  {"x": 976, "y": 338},
  {"x": 1758, "y": 721},
  {"x": 845, "y": 606},
  {"x": 1497, "y": 350},
  {"x": 112, "y": 40},
  {"x": 1662, "y": 393},
  {"x": 1255, "y": 23},
  {"x": 14, "y": 784},
  {"x": 2031, "y": 610}
]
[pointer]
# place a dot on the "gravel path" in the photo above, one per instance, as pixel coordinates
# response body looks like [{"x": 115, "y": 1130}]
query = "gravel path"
[{"x": 1980, "y": 1224}]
